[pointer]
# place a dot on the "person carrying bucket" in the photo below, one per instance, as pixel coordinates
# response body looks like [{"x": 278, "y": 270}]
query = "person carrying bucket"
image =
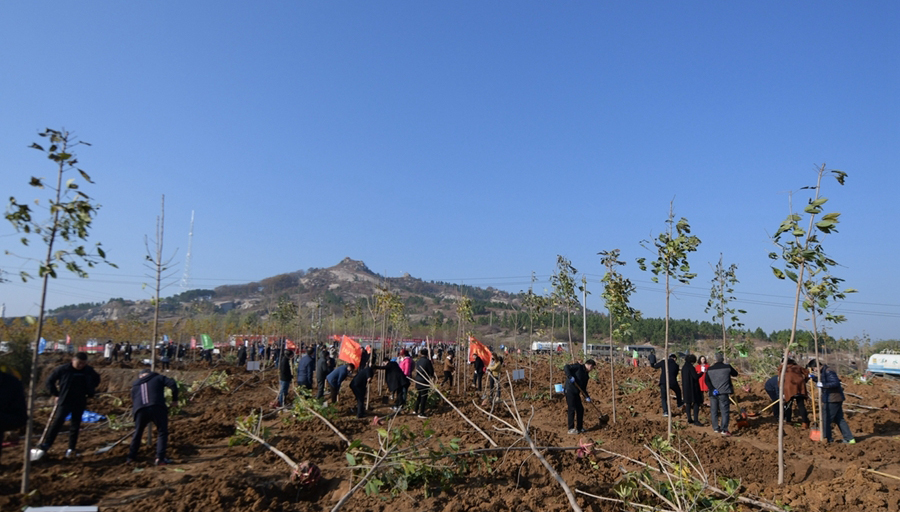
[{"x": 576, "y": 383}]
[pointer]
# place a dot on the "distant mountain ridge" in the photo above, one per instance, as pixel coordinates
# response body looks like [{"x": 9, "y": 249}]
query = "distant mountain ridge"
[{"x": 335, "y": 288}]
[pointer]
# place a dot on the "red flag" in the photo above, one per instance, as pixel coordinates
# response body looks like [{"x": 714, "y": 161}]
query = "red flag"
[
  {"x": 335, "y": 337},
  {"x": 477, "y": 348},
  {"x": 350, "y": 351},
  {"x": 290, "y": 345}
]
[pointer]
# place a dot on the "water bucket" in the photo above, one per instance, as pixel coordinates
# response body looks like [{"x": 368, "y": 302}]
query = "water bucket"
[{"x": 558, "y": 388}]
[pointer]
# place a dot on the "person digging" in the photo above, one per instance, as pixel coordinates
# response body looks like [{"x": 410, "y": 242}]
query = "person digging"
[
  {"x": 149, "y": 406},
  {"x": 576, "y": 383},
  {"x": 71, "y": 385}
]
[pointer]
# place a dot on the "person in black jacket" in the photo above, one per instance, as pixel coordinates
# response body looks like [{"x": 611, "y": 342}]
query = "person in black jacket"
[
  {"x": 359, "y": 385},
  {"x": 149, "y": 405},
  {"x": 242, "y": 356},
  {"x": 396, "y": 382},
  {"x": 423, "y": 372},
  {"x": 285, "y": 375},
  {"x": 693, "y": 397},
  {"x": 72, "y": 384},
  {"x": 322, "y": 371},
  {"x": 478, "y": 374},
  {"x": 13, "y": 410},
  {"x": 127, "y": 350},
  {"x": 576, "y": 383},
  {"x": 670, "y": 364}
]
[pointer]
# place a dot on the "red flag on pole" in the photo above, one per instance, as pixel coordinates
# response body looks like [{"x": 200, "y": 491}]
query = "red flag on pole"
[
  {"x": 350, "y": 351},
  {"x": 477, "y": 348}
]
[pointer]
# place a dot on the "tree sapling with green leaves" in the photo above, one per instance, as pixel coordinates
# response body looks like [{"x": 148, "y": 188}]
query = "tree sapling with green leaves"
[
  {"x": 672, "y": 248},
  {"x": 71, "y": 213},
  {"x": 617, "y": 290},
  {"x": 801, "y": 253},
  {"x": 720, "y": 295}
]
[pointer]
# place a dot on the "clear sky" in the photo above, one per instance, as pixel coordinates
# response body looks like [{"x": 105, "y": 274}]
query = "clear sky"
[{"x": 462, "y": 141}]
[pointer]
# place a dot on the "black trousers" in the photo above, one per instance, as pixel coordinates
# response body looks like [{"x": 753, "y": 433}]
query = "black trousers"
[
  {"x": 476, "y": 380},
  {"x": 421, "y": 401},
  {"x": 159, "y": 416},
  {"x": 321, "y": 391},
  {"x": 575, "y": 413},
  {"x": 664, "y": 395},
  {"x": 360, "y": 394},
  {"x": 63, "y": 410},
  {"x": 448, "y": 377}
]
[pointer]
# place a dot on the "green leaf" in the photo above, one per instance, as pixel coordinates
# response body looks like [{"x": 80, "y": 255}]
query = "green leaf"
[
  {"x": 778, "y": 273},
  {"x": 791, "y": 275},
  {"x": 351, "y": 460}
]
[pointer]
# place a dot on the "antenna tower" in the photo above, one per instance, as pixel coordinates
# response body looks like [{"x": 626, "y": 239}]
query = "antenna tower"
[{"x": 186, "y": 279}]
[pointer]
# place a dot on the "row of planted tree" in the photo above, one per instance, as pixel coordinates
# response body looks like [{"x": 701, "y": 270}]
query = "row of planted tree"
[{"x": 800, "y": 258}]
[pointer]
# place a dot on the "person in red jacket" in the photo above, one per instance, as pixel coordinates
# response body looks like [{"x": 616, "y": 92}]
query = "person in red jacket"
[{"x": 702, "y": 366}]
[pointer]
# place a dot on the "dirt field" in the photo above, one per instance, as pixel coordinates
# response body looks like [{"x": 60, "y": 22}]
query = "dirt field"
[{"x": 210, "y": 475}]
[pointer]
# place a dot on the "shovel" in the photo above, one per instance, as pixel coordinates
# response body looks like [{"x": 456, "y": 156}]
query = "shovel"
[
  {"x": 37, "y": 453},
  {"x": 603, "y": 419},
  {"x": 814, "y": 433},
  {"x": 110, "y": 447}
]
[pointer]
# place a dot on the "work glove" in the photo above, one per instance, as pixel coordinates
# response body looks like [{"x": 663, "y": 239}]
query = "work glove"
[
  {"x": 715, "y": 392},
  {"x": 572, "y": 380},
  {"x": 819, "y": 384},
  {"x": 587, "y": 399}
]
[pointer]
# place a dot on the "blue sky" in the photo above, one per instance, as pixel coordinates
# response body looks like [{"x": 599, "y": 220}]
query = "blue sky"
[{"x": 464, "y": 141}]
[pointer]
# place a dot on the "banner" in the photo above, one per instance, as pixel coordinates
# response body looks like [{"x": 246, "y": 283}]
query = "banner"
[
  {"x": 350, "y": 351},
  {"x": 165, "y": 338},
  {"x": 42, "y": 345},
  {"x": 193, "y": 343},
  {"x": 477, "y": 348},
  {"x": 207, "y": 341},
  {"x": 290, "y": 345}
]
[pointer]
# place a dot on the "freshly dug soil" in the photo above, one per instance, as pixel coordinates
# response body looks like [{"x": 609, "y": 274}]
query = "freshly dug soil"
[{"x": 210, "y": 475}]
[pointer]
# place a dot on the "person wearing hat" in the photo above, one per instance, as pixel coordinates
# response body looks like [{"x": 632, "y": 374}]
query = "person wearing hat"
[
  {"x": 576, "y": 383},
  {"x": 718, "y": 380},
  {"x": 833, "y": 396},
  {"x": 148, "y": 401}
]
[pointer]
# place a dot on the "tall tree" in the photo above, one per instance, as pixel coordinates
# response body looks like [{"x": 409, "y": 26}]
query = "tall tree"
[
  {"x": 672, "y": 247},
  {"x": 158, "y": 265},
  {"x": 71, "y": 214},
  {"x": 617, "y": 290},
  {"x": 801, "y": 252},
  {"x": 720, "y": 295}
]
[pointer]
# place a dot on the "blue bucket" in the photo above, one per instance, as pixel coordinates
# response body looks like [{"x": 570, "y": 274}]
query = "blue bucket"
[{"x": 558, "y": 388}]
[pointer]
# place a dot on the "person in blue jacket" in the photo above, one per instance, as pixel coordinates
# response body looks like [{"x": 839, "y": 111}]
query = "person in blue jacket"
[
  {"x": 149, "y": 405},
  {"x": 336, "y": 378},
  {"x": 306, "y": 367},
  {"x": 833, "y": 396}
]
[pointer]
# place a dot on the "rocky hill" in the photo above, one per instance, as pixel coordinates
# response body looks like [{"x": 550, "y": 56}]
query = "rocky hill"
[{"x": 340, "y": 290}]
